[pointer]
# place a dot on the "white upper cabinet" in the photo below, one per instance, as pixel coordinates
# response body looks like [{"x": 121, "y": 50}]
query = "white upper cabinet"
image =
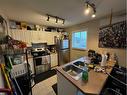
[{"x": 30, "y": 36}]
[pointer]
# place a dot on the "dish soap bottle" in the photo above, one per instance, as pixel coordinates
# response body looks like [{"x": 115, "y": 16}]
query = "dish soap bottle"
[{"x": 85, "y": 74}]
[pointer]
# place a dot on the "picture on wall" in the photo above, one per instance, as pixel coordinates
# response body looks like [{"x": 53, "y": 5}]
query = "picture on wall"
[{"x": 113, "y": 36}]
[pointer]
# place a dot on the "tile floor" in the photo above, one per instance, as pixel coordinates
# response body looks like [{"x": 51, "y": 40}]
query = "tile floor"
[{"x": 45, "y": 87}]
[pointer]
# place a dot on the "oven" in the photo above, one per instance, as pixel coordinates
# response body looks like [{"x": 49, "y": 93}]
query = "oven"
[{"x": 41, "y": 58}]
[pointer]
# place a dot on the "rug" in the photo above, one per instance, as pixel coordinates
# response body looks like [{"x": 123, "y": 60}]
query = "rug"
[{"x": 45, "y": 75}]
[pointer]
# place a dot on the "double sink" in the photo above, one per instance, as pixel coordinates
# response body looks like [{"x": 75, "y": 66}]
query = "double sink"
[{"x": 75, "y": 69}]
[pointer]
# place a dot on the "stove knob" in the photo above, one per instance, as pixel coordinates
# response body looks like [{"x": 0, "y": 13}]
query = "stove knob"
[{"x": 35, "y": 54}]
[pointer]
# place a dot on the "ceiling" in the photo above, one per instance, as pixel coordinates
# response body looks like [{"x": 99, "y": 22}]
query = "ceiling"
[{"x": 34, "y": 11}]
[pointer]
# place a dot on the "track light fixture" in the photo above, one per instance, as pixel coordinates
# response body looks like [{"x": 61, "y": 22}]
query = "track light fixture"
[
  {"x": 56, "y": 18},
  {"x": 90, "y": 6}
]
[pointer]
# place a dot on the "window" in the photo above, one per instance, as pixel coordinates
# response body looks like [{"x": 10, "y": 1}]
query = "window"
[{"x": 79, "y": 40}]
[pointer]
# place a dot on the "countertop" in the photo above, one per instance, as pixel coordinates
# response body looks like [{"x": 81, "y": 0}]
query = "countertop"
[{"x": 96, "y": 80}]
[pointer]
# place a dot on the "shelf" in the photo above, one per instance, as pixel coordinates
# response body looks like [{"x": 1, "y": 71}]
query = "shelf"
[{"x": 43, "y": 64}]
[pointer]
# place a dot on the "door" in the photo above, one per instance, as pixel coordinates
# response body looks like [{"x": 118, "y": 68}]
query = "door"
[
  {"x": 65, "y": 44},
  {"x": 64, "y": 56},
  {"x": 54, "y": 60}
]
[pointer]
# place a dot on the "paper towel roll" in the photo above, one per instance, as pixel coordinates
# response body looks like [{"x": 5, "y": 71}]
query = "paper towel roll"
[{"x": 104, "y": 60}]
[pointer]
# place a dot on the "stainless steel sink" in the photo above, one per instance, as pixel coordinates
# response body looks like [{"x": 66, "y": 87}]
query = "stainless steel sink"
[
  {"x": 80, "y": 64},
  {"x": 73, "y": 71}
]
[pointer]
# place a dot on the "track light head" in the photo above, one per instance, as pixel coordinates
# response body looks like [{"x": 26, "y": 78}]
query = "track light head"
[
  {"x": 87, "y": 9},
  {"x": 93, "y": 15},
  {"x": 63, "y": 21},
  {"x": 56, "y": 20},
  {"x": 48, "y": 18},
  {"x": 90, "y": 6}
]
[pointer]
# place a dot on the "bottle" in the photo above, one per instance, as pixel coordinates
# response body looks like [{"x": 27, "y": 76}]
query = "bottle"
[
  {"x": 116, "y": 58},
  {"x": 85, "y": 74}
]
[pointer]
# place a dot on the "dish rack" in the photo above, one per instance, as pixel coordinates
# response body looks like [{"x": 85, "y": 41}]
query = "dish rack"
[{"x": 19, "y": 68}]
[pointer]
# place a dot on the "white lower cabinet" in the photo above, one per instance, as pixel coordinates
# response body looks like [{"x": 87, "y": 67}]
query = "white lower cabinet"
[
  {"x": 65, "y": 87},
  {"x": 54, "y": 59}
]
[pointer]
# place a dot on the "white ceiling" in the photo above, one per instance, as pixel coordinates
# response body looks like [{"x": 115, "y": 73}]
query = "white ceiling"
[{"x": 33, "y": 11}]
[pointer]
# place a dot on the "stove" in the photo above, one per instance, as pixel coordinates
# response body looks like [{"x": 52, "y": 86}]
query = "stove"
[
  {"x": 41, "y": 57},
  {"x": 38, "y": 52}
]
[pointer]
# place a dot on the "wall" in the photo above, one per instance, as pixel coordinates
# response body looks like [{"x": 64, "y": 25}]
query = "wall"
[
  {"x": 92, "y": 28},
  {"x": 7, "y": 23}
]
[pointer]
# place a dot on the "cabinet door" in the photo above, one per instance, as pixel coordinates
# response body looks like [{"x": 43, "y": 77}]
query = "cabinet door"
[
  {"x": 79, "y": 93},
  {"x": 54, "y": 60},
  {"x": 49, "y": 38},
  {"x": 34, "y": 37},
  {"x": 65, "y": 87}
]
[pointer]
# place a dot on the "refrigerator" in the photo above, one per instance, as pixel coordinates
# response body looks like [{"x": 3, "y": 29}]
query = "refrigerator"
[{"x": 63, "y": 50}]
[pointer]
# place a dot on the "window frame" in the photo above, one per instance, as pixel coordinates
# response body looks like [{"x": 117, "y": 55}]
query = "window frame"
[{"x": 72, "y": 41}]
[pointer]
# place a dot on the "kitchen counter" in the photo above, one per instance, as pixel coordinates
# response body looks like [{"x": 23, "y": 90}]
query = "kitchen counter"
[{"x": 96, "y": 80}]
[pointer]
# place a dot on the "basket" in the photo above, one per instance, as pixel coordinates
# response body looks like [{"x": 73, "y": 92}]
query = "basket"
[{"x": 19, "y": 70}]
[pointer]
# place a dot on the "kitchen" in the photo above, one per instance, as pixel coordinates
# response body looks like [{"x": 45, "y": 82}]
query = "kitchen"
[{"x": 41, "y": 43}]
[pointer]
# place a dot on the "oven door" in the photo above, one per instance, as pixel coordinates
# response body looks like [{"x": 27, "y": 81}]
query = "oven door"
[{"x": 42, "y": 64}]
